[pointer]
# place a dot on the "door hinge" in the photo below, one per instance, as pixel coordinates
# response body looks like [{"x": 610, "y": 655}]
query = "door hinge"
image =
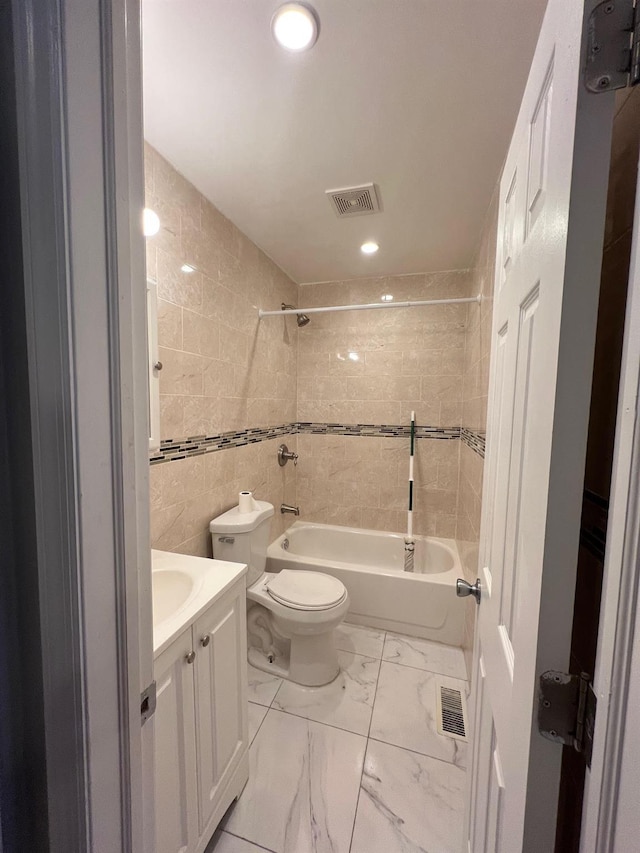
[
  {"x": 147, "y": 703},
  {"x": 613, "y": 46},
  {"x": 567, "y": 710}
]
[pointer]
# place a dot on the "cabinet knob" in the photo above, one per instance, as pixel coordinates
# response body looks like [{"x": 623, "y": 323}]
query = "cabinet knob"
[
  {"x": 190, "y": 657},
  {"x": 204, "y": 642}
]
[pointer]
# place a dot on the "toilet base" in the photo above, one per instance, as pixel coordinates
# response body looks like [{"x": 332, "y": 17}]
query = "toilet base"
[
  {"x": 312, "y": 661},
  {"x": 259, "y": 660},
  {"x": 290, "y": 643}
]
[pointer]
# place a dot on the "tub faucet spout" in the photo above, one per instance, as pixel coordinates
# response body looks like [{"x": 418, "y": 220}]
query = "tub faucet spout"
[{"x": 294, "y": 510}]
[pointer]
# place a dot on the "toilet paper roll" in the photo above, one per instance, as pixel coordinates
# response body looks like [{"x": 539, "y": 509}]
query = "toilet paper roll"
[{"x": 246, "y": 502}]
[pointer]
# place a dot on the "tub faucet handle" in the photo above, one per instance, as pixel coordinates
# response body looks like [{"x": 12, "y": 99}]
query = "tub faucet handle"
[{"x": 284, "y": 455}]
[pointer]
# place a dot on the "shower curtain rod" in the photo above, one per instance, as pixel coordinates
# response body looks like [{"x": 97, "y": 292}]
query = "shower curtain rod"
[{"x": 370, "y": 305}]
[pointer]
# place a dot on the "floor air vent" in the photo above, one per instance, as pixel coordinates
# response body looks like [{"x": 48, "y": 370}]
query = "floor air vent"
[
  {"x": 452, "y": 711},
  {"x": 354, "y": 201}
]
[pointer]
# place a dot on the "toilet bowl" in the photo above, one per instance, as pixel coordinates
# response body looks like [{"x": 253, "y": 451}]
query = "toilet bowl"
[{"x": 292, "y": 614}]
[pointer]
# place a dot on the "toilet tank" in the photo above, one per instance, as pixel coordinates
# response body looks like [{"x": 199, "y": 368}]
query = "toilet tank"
[{"x": 243, "y": 537}]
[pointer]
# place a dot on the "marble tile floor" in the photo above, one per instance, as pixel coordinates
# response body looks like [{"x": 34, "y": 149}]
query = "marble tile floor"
[{"x": 356, "y": 766}]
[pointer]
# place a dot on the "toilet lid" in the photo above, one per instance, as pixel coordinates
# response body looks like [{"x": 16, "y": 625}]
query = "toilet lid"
[{"x": 306, "y": 590}]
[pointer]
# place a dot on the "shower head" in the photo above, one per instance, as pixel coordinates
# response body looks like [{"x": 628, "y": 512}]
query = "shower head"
[{"x": 301, "y": 319}]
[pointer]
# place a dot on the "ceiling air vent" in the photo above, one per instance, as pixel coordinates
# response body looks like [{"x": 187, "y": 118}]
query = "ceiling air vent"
[{"x": 354, "y": 201}]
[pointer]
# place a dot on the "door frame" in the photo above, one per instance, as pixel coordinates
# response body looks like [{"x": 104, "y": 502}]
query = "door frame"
[
  {"x": 79, "y": 134},
  {"x": 610, "y": 816},
  {"x": 78, "y": 98}
]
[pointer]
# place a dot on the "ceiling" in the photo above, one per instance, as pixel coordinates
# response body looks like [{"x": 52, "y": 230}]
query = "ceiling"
[{"x": 417, "y": 96}]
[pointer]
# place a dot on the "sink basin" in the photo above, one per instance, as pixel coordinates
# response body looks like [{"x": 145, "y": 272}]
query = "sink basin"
[
  {"x": 182, "y": 588},
  {"x": 171, "y": 589}
]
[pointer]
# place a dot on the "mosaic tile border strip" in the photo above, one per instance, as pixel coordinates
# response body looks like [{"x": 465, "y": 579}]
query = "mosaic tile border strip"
[
  {"x": 475, "y": 440},
  {"x": 181, "y": 448},
  {"x": 377, "y": 430}
]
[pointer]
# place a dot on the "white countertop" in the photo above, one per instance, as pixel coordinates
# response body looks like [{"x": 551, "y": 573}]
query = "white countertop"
[{"x": 210, "y": 579}]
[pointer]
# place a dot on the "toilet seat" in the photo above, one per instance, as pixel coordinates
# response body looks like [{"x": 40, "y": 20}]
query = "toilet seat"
[{"x": 302, "y": 590}]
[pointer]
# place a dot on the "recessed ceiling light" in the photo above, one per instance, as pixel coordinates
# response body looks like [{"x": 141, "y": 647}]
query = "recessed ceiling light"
[
  {"x": 187, "y": 268},
  {"x": 386, "y": 297},
  {"x": 295, "y": 27},
  {"x": 369, "y": 248},
  {"x": 354, "y": 356},
  {"x": 150, "y": 222}
]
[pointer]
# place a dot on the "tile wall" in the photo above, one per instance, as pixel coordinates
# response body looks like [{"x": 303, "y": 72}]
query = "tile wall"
[
  {"x": 375, "y": 367},
  {"x": 362, "y": 482},
  {"x": 378, "y": 366},
  {"x": 187, "y": 493},
  {"x": 222, "y": 370}
]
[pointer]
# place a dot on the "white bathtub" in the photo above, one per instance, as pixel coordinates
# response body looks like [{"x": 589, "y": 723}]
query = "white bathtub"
[{"x": 370, "y": 565}]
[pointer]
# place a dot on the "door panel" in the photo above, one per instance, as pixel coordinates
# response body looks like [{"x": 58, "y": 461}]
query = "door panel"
[
  {"x": 518, "y": 457},
  {"x": 551, "y": 226},
  {"x": 509, "y": 228},
  {"x": 538, "y": 154},
  {"x": 496, "y": 800},
  {"x": 498, "y": 464}
]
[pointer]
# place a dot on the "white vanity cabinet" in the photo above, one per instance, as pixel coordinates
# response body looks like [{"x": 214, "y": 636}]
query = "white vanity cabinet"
[
  {"x": 201, "y": 727},
  {"x": 221, "y": 700},
  {"x": 174, "y": 724}
]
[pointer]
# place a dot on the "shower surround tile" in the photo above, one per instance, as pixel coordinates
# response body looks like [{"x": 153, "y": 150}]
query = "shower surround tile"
[
  {"x": 408, "y": 802},
  {"x": 346, "y": 703},
  {"x": 362, "y": 481},
  {"x": 303, "y": 787},
  {"x": 424, "y": 654},
  {"x": 404, "y": 713},
  {"x": 377, "y": 367},
  {"x": 394, "y": 361}
]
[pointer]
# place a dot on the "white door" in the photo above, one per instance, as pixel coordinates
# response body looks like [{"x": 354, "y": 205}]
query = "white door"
[{"x": 550, "y": 234}]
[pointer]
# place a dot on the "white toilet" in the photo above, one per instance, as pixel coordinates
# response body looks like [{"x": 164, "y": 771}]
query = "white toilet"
[{"x": 295, "y": 612}]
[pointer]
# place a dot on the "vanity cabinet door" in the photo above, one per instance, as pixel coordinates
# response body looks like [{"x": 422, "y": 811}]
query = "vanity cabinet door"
[
  {"x": 175, "y": 749},
  {"x": 221, "y": 696}
]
